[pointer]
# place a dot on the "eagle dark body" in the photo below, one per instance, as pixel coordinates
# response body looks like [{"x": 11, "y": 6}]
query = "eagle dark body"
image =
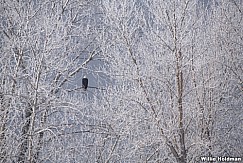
[{"x": 85, "y": 82}]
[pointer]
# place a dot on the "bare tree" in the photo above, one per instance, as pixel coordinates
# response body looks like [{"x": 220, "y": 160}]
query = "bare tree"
[
  {"x": 166, "y": 61},
  {"x": 46, "y": 46},
  {"x": 168, "y": 76}
]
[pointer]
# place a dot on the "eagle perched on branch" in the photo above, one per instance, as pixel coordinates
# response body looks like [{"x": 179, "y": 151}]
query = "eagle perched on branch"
[{"x": 85, "y": 82}]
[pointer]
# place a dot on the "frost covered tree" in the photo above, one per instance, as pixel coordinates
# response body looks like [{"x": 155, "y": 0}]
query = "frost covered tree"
[
  {"x": 46, "y": 46},
  {"x": 228, "y": 40},
  {"x": 166, "y": 77},
  {"x": 168, "y": 67}
]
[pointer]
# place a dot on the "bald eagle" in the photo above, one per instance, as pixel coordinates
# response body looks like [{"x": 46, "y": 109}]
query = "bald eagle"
[{"x": 85, "y": 82}]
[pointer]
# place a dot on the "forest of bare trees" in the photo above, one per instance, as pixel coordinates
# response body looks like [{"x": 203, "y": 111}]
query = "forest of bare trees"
[{"x": 165, "y": 77}]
